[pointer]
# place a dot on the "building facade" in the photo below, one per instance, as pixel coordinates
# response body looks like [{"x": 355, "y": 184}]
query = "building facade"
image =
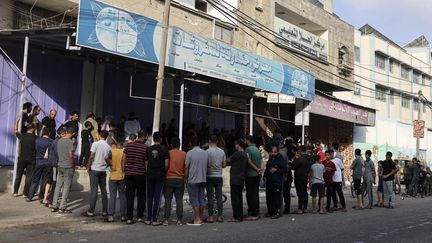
[{"x": 388, "y": 77}]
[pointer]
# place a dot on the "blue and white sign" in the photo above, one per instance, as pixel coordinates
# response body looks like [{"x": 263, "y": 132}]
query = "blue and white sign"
[{"x": 106, "y": 28}]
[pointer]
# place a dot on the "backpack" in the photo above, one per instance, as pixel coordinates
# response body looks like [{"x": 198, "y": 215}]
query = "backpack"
[{"x": 52, "y": 153}]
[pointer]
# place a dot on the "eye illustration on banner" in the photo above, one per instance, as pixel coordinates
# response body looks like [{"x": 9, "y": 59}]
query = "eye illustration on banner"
[{"x": 116, "y": 30}]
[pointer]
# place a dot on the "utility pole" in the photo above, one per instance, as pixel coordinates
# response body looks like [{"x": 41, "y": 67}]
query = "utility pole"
[
  {"x": 420, "y": 97},
  {"x": 161, "y": 70}
]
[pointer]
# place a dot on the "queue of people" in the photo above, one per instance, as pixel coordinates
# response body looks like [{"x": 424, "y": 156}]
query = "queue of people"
[{"x": 144, "y": 167}]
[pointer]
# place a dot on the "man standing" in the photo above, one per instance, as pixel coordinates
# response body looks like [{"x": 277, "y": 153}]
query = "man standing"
[
  {"x": 389, "y": 170},
  {"x": 357, "y": 167},
  {"x": 175, "y": 181},
  {"x": 337, "y": 184},
  {"x": 65, "y": 171},
  {"x": 214, "y": 179},
  {"x": 132, "y": 125},
  {"x": 415, "y": 168},
  {"x": 197, "y": 161},
  {"x": 301, "y": 167},
  {"x": 73, "y": 121},
  {"x": 134, "y": 158},
  {"x": 157, "y": 163},
  {"x": 26, "y": 159},
  {"x": 316, "y": 180},
  {"x": 369, "y": 177},
  {"x": 92, "y": 119},
  {"x": 329, "y": 171},
  {"x": 238, "y": 163},
  {"x": 254, "y": 169},
  {"x": 96, "y": 168},
  {"x": 42, "y": 170},
  {"x": 50, "y": 122},
  {"x": 27, "y": 107},
  {"x": 274, "y": 175}
]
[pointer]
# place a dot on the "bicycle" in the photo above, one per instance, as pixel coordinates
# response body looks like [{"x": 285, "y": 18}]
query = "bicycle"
[
  {"x": 363, "y": 189},
  {"x": 224, "y": 199}
]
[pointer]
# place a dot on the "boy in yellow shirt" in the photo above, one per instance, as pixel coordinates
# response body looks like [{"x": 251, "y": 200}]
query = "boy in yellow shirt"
[{"x": 116, "y": 182}]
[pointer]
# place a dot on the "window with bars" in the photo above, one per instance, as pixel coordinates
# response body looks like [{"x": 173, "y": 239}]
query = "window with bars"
[
  {"x": 380, "y": 61},
  {"x": 357, "y": 88},
  {"x": 380, "y": 94},
  {"x": 416, "y": 77},
  {"x": 416, "y": 105},
  {"x": 405, "y": 72},
  {"x": 406, "y": 102},
  {"x": 357, "y": 53},
  {"x": 392, "y": 66},
  {"x": 392, "y": 96}
]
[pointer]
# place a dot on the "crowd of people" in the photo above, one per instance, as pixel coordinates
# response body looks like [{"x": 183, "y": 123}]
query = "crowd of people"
[{"x": 144, "y": 167}]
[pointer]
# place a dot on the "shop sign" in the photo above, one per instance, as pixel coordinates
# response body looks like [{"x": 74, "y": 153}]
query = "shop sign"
[
  {"x": 300, "y": 39},
  {"x": 109, "y": 29},
  {"x": 280, "y": 98},
  {"x": 338, "y": 109}
]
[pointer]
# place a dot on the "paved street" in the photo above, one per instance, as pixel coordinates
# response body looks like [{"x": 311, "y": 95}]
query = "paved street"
[{"x": 411, "y": 221}]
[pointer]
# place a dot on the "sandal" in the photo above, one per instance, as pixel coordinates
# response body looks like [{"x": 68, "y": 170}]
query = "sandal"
[
  {"x": 156, "y": 223},
  {"x": 147, "y": 222},
  {"x": 64, "y": 211},
  {"x": 179, "y": 223},
  {"x": 234, "y": 220},
  {"x": 165, "y": 223},
  {"x": 130, "y": 222},
  {"x": 220, "y": 219},
  {"x": 88, "y": 214},
  {"x": 208, "y": 221},
  {"x": 109, "y": 219}
]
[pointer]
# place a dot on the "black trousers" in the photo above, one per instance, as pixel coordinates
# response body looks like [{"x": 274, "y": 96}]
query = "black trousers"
[
  {"x": 252, "y": 195},
  {"x": 26, "y": 167},
  {"x": 301, "y": 189},
  {"x": 337, "y": 189},
  {"x": 273, "y": 199},
  {"x": 85, "y": 155},
  {"x": 287, "y": 194},
  {"x": 329, "y": 194},
  {"x": 237, "y": 201},
  {"x": 135, "y": 185}
]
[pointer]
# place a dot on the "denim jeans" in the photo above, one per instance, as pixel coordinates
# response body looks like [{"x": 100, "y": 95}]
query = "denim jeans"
[
  {"x": 389, "y": 194},
  {"x": 114, "y": 187},
  {"x": 154, "y": 194},
  {"x": 214, "y": 190},
  {"x": 98, "y": 179},
  {"x": 174, "y": 187},
  {"x": 64, "y": 180},
  {"x": 39, "y": 177}
]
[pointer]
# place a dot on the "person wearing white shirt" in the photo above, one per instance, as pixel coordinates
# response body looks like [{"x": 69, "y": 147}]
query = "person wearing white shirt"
[
  {"x": 337, "y": 185},
  {"x": 97, "y": 168},
  {"x": 132, "y": 125}
]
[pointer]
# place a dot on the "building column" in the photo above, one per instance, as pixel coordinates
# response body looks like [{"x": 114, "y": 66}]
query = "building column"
[{"x": 92, "y": 89}]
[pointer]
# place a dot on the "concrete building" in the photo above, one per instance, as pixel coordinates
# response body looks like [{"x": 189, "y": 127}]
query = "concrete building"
[{"x": 388, "y": 77}]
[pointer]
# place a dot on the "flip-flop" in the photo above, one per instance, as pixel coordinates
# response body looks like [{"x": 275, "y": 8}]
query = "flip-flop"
[
  {"x": 147, "y": 222},
  {"x": 209, "y": 221},
  {"x": 179, "y": 223},
  {"x": 191, "y": 223},
  {"x": 220, "y": 220},
  {"x": 130, "y": 222},
  {"x": 156, "y": 224},
  {"x": 234, "y": 221}
]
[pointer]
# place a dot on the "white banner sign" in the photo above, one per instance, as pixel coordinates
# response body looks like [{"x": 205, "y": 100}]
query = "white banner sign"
[{"x": 280, "y": 98}]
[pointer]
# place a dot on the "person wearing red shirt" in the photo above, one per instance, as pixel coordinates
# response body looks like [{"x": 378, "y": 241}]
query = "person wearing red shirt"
[{"x": 329, "y": 170}]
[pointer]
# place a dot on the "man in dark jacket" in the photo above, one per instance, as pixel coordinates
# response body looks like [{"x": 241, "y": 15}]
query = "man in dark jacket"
[
  {"x": 301, "y": 167},
  {"x": 274, "y": 175}
]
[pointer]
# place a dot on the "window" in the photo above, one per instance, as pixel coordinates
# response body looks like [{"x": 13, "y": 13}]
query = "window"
[
  {"x": 416, "y": 105},
  {"x": 391, "y": 66},
  {"x": 416, "y": 77},
  {"x": 201, "y": 5},
  {"x": 405, "y": 72},
  {"x": 380, "y": 61},
  {"x": 343, "y": 55},
  {"x": 380, "y": 94},
  {"x": 357, "y": 53},
  {"x": 424, "y": 107},
  {"x": 357, "y": 88},
  {"x": 223, "y": 34},
  {"x": 425, "y": 80},
  {"x": 392, "y": 96},
  {"x": 406, "y": 102}
]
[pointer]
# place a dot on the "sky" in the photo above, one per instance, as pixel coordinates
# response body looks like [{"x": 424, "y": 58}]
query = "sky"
[{"x": 400, "y": 20}]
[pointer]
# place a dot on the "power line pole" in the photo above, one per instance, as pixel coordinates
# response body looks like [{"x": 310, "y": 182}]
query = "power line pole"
[{"x": 161, "y": 70}]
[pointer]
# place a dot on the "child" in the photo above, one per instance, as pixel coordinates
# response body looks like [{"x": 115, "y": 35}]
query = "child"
[
  {"x": 116, "y": 181},
  {"x": 316, "y": 179}
]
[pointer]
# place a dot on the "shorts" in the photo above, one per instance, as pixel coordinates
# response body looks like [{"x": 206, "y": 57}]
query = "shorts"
[
  {"x": 357, "y": 186},
  {"x": 196, "y": 194},
  {"x": 50, "y": 175},
  {"x": 380, "y": 185},
  {"x": 317, "y": 188}
]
